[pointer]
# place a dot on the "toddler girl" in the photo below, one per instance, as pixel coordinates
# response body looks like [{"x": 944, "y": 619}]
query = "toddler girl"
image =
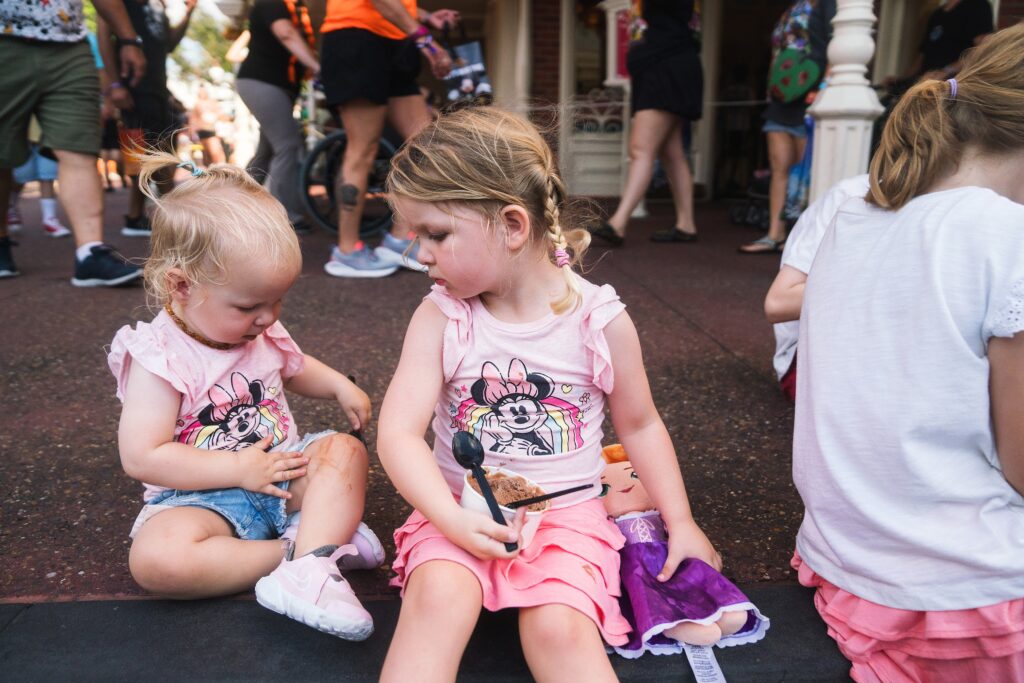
[
  {"x": 908, "y": 449},
  {"x": 206, "y": 423},
  {"x": 516, "y": 348}
]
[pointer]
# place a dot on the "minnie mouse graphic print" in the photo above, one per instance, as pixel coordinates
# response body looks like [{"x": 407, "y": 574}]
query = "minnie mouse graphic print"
[
  {"x": 230, "y": 398},
  {"x": 532, "y": 393}
]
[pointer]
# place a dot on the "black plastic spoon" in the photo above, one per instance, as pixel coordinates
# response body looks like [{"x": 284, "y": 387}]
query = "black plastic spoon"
[
  {"x": 470, "y": 454},
  {"x": 547, "y": 496}
]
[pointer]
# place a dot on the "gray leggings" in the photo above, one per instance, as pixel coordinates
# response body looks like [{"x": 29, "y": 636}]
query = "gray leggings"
[{"x": 280, "y": 146}]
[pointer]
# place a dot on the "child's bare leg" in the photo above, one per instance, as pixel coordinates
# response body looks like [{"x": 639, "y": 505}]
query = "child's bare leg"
[
  {"x": 191, "y": 552},
  {"x": 331, "y": 494},
  {"x": 562, "y": 644},
  {"x": 440, "y": 608}
]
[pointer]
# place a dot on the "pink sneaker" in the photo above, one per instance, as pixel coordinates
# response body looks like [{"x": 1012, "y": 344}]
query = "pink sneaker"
[
  {"x": 312, "y": 590},
  {"x": 54, "y": 228},
  {"x": 14, "y": 221},
  {"x": 369, "y": 551}
]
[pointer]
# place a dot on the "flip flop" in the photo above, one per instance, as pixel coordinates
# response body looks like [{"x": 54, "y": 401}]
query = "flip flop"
[
  {"x": 673, "y": 235},
  {"x": 605, "y": 232},
  {"x": 763, "y": 245}
]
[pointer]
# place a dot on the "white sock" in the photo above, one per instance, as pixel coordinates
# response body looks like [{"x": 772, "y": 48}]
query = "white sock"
[
  {"x": 85, "y": 250},
  {"x": 49, "y": 206}
]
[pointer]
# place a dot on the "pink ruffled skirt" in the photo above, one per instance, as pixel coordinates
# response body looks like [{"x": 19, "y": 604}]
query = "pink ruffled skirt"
[
  {"x": 889, "y": 645},
  {"x": 573, "y": 559}
]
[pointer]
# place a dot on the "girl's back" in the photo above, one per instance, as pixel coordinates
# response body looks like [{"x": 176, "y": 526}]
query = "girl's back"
[{"x": 894, "y": 453}]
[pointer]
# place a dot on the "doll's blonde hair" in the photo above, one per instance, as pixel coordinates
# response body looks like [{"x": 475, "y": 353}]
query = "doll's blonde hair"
[
  {"x": 487, "y": 158},
  {"x": 218, "y": 214}
]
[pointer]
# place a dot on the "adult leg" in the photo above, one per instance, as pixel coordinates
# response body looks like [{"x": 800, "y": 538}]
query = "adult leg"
[
  {"x": 259, "y": 166},
  {"x": 364, "y": 123},
  {"x": 562, "y": 644},
  {"x": 272, "y": 107},
  {"x": 331, "y": 494},
  {"x": 213, "y": 150},
  {"x": 784, "y": 150},
  {"x": 191, "y": 552},
  {"x": 680, "y": 179},
  {"x": 81, "y": 193},
  {"x": 647, "y": 134},
  {"x": 409, "y": 115},
  {"x": 440, "y": 608}
]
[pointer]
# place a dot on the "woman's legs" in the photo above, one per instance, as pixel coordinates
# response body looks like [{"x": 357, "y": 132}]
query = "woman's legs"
[
  {"x": 647, "y": 134},
  {"x": 440, "y": 608},
  {"x": 562, "y": 644},
  {"x": 784, "y": 150},
  {"x": 191, "y": 552},
  {"x": 409, "y": 115},
  {"x": 272, "y": 107},
  {"x": 364, "y": 123},
  {"x": 680, "y": 179},
  {"x": 331, "y": 494}
]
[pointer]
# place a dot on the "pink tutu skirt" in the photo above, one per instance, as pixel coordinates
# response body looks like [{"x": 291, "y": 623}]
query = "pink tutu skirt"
[
  {"x": 889, "y": 645},
  {"x": 573, "y": 559}
]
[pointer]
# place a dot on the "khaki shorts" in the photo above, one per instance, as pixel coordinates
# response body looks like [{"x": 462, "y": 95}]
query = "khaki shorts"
[{"x": 59, "y": 83}]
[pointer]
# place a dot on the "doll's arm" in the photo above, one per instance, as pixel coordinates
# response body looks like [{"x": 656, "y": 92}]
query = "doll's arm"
[
  {"x": 650, "y": 449},
  {"x": 145, "y": 440},
  {"x": 319, "y": 380},
  {"x": 404, "y": 417}
]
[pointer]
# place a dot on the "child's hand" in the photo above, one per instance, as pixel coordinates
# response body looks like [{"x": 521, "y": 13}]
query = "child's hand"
[
  {"x": 481, "y": 536},
  {"x": 687, "y": 540},
  {"x": 355, "y": 403},
  {"x": 260, "y": 470}
]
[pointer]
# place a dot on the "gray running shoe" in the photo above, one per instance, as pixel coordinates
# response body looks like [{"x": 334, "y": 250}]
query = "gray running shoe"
[
  {"x": 393, "y": 250},
  {"x": 361, "y": 263}
]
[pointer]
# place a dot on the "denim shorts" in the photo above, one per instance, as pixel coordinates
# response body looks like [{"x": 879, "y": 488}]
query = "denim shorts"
[
  {"x": 253, "y": 516},
  {"x": 796, "y": 131}
]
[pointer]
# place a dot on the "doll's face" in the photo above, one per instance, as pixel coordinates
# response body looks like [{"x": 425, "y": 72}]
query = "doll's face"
[{"x": 622, "y": 491}]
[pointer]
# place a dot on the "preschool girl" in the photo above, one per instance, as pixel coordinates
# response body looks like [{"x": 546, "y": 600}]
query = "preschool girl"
[{"x": 516, "y": 348}]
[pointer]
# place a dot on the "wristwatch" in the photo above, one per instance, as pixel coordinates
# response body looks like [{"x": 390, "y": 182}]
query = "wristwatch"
[{"x": 136, "y": 42}]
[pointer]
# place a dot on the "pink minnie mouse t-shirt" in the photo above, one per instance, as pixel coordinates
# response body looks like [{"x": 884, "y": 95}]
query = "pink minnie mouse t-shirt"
[
  {"x": 532, "y": 393},
  {"x": 230, "y": 398}
]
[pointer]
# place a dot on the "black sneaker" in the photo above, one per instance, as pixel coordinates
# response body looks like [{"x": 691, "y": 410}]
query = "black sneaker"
[
  {"x": 104, "y": 267},
  {"x": 7, "y": 267},
  {"x": 137, "y": 227}
]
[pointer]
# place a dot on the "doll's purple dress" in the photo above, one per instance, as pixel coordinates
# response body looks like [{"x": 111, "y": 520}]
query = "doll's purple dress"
[{"x": 696, "y": 592}]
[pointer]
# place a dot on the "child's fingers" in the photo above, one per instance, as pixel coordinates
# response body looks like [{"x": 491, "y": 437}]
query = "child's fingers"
[
  {"x": 272, "y": 490},
  {"x": 264, "y": 443},
  {"x": 353, "y": 418},
  {"x": 290, "y": 463}
]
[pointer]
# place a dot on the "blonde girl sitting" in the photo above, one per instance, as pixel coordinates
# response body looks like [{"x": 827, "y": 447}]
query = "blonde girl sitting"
[
  {"x": 516, "y": 348},
  {"x": 206, "y": 423}
]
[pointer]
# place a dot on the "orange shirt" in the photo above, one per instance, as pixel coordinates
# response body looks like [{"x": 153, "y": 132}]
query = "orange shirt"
[{"x": 362, "y": 14}]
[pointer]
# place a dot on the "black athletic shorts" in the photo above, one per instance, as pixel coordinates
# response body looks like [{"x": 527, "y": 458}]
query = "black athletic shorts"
[{"x": 356, "y": 64}]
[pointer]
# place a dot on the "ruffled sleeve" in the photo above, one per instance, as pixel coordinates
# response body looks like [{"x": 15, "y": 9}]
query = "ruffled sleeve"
[
  {"x": 292, "y": 357},
  {"x": 458, "y": 333},
  {"x": 600, "y": 307},
  {"x": 146, "y": 345}
]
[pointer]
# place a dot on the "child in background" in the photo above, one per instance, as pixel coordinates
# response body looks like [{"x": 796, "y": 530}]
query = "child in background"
[
  {"x": 43, "y": 168},
  {"x": 207, "y": 426},
  {"x": 516, "y": 348},
  {"x": 908, "y": 447},
  {"x": 786, "y": 295}
]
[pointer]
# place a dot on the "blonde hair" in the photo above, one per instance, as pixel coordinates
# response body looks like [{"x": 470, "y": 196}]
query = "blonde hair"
[
  {"x": 931, "y": 126},
  {"x": 487, "y": 158},
  {"x": 219, "y": 213}
]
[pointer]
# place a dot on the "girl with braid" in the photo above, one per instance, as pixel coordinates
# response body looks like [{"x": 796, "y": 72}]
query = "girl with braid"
[{"x": 515, "y": 347}]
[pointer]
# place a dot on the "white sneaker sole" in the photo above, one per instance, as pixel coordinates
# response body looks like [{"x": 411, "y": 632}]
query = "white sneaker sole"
[
  {"x": 135, "y": 232},
  {"x": 96, "y": 282},
  {"x": 388, "y": 256},
  {"x": 336, "y": 269},
  {"x": 57, "y": 233},
  {"x": 270, "y": 594}
]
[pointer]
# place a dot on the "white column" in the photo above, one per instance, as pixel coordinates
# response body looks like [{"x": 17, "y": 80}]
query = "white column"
[{"x": 845, "y": 111}]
